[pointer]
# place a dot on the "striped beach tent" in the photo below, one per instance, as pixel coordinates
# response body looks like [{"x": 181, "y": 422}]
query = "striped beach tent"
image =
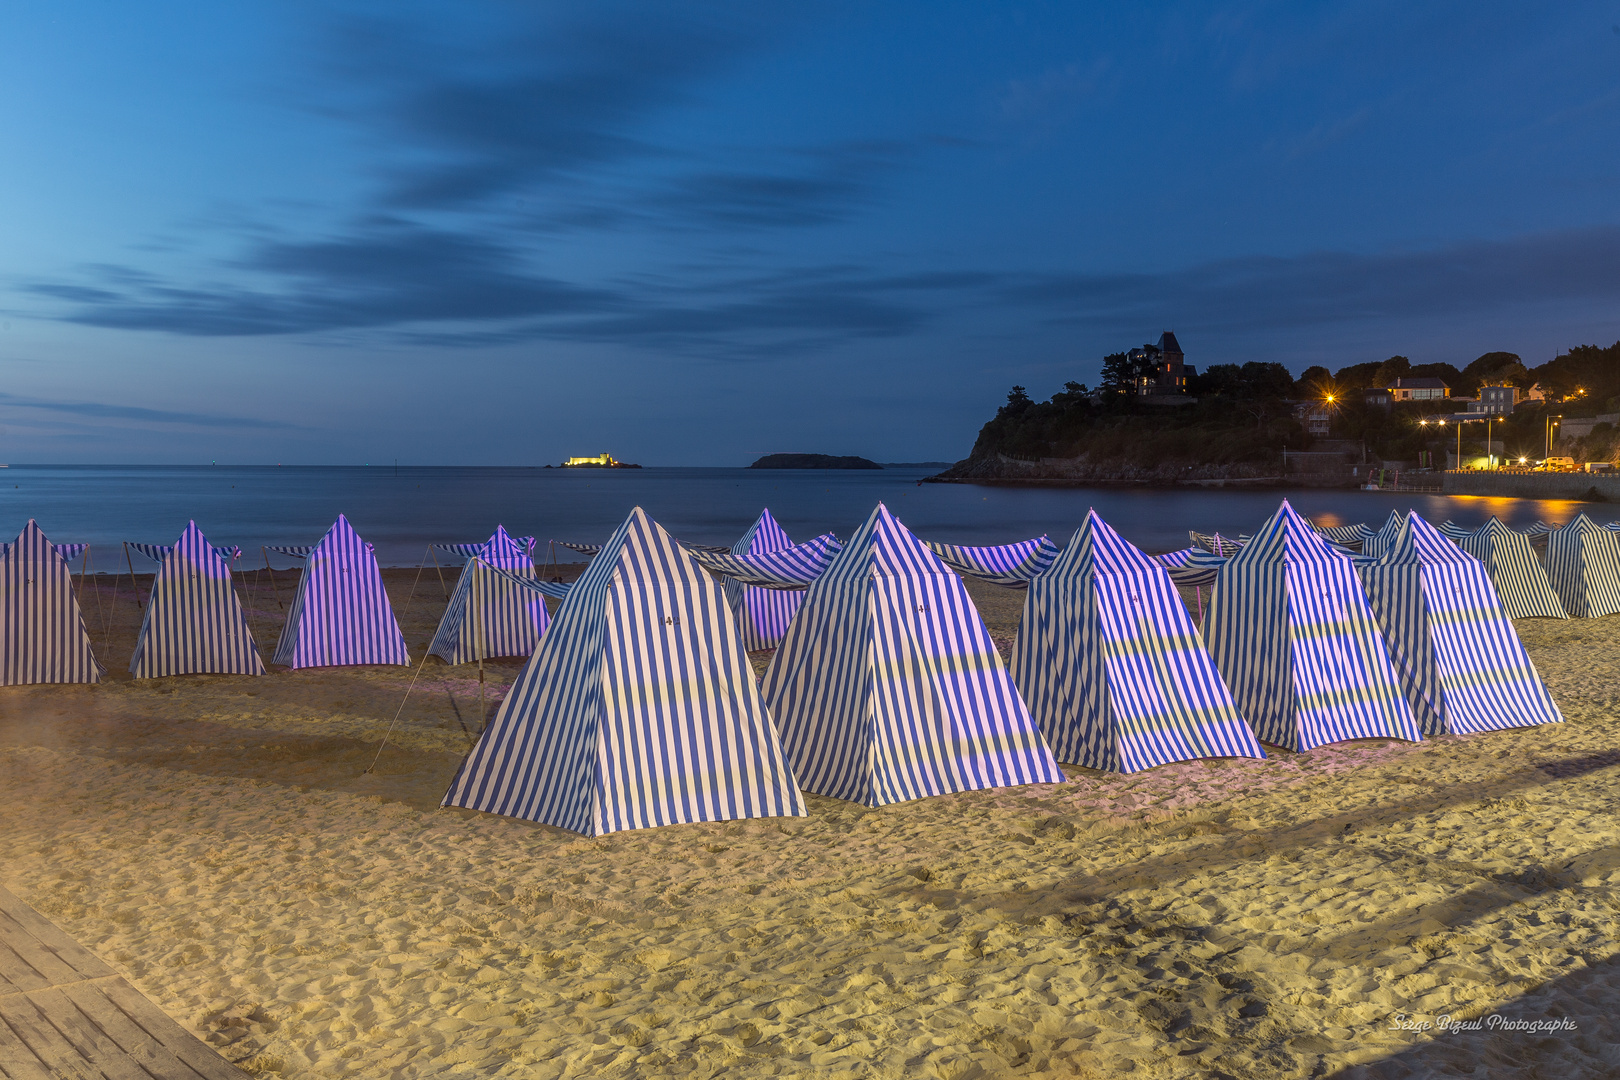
[
  {"x": 1349, "y": 536},
  {"x": 193, "y": 623},
  {"x": 340, "y": 614},
  {"x": 763, "y": 614},
  {"x": 888, "y": 687},
  {"x": 1461, "y": 663},
  {"x": 1516, "y": 572},
  {"x": 1291, "y": 632},
  {"x": 1193, "y": 567},
  {"x": 1011, "y": 565},
  {"x": 42, "y": 634},
  {"x": 786, "y": 568},
  {"x": 1380, "y": 542},
  {"x": 488, "y": 615},
  {"x": 1112, "y": 668},
  {"x": 1452, "y": 531},
  {"x": 1215, "y": 543},
  {"x": 1583, "y": 564},
  {"x": 639, "y": 707}
]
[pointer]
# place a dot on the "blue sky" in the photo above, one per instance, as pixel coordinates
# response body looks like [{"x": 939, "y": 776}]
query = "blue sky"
[{"x": 503, "y": 233}]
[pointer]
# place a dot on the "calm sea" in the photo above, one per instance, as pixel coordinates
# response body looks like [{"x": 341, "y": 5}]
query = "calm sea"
[{"x": 403, "y": 511}]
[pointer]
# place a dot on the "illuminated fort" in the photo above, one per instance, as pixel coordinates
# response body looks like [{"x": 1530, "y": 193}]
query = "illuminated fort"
[{"x": 600, "y": 461}]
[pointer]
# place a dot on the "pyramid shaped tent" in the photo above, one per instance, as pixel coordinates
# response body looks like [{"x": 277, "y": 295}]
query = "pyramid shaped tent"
[
  {"x": 340, "y": 614},
  {"x": 1583, "y": 565},
  {"x": 1515, "y": 571},
  {"x": 763, "y": 614},
  {"x": 193, "y": 624},
  {"x": 1291, "y": 632},
  {"x": 888, "y": 687},
  {"x": 489, "y": 615},
  {"x": 1460, "y": 662},
  {"x": 1111, "y": 666},
  {"x": 1381, "y": 541},
  {"x": 42, "y": 635},
  {"x": 639, "y": 707}
]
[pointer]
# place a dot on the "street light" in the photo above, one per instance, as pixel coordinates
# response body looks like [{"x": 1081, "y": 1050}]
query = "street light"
[{"x": 1550, "y": 426}]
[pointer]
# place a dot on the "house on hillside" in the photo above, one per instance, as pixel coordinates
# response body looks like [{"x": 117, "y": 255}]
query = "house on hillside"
[
  {"x": 1168, "y": 366},
  {"x": 1422, "y": 389},
  {"x": 1498, "y": 400}
]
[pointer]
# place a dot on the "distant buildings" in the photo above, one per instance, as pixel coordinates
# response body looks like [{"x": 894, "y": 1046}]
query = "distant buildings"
[
  {"x": 1167, "y": 363},
  {"x": 1423, "y": 389},
  {"x": 1498, "y": 400}
]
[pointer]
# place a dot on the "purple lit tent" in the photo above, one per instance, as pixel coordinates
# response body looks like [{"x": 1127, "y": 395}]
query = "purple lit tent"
[
  {"x": 340, "y": 614},
  {"x": 763, "y": 614}
]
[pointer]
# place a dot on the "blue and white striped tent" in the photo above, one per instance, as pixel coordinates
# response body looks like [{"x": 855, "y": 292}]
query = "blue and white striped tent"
[
  {"x": 763, "y": 614},
  {"x": 193, "y": 624},
  {"x": 340, "y": 614},
  {"x": 1583, "y": 564},
  {"x": 639, "y": 708},
  {"x": 42, "y": 634},
  {"x": 1011, "y": 565},
  {"x": 1215, "y": 543},
  {"x": 888, "y": 687},
  {"x": 487, "y": 615},
  {"x": 1461, "y": 664},
  {"x": 1192, "y": 567},
  {"x": 1381, "y": 541},
  {"x": 1516, "y": 572},
  {"x": 1113, "y": 669},
  {"x": 1452, "y": 531},
  {"x": 796, "y": 567},
  {"x": 1348, "y": 536},
  {"x": 1291, "y": 632}
]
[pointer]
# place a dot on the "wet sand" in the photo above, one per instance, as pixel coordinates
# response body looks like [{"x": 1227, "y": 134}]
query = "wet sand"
[{"x": 217, "y": 840}]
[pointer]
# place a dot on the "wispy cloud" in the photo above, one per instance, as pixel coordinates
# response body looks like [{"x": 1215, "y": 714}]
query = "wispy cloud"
[{"x": 99, "y": 411}]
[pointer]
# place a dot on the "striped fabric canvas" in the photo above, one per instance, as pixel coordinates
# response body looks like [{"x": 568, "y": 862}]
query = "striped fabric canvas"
[
  {"x": 1214, "y": 543},
  {"x": 1583, "y": 564},
  {"x": 788, "y": 568},
  {"x": 1291, "y": 632},
  {"x": 1347, "y": 536},
  {"x": 1381, "y": 541},
  {"x": 193, "y": 623},
  {"x": 762, "y": 614},
  {"x": 42, "y": 634},
  {"x": 1192, "y": 566},
  {"x": 156, "y": 552},
  {"x": 340, "y": 614},
  {"x": 488, "y": 616},
  {"x": 1461, "y": 663},
  {"x": 1515, "y": 571},
  {"x": 638, "y": 708},
  {"x": 1112, "y": 668},
  {"x": 888, "y": 687},
  {"x": 1012, "y": 565}
]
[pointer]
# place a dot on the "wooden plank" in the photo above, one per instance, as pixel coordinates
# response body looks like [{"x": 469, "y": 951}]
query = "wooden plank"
[
  {"x": 17, "y": 1062},
  {"x": 83, "y": 1034},
  {"x": 65, "y": 1015},
  {"x": 36, "y": 926},
  {"x": 30, "y": 1024},
  {"x": 142, "y": 1046},
  {"x": 167, "y": 1032},
  {"x": 16, "y": 970},
  {"x": 45, "y": 955}
]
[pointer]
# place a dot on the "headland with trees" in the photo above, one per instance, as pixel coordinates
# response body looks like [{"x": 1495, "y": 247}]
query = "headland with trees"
[{"x": 1153, "y": 421}]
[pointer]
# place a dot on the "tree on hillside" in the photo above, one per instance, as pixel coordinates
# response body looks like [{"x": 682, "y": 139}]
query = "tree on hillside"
[
  {"x": 1583, "y": 368},
  {"x": 1120, "y": 372},
  {"x": 1315, "y": 378},
  {"x": 1396, "y": 367},
  {"x": 1446, "y": 373},
  {"x": 1357, "y": 376},
  {"x": 1494, "y": 369}
]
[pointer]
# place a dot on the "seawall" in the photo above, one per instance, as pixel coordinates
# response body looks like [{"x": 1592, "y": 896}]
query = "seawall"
[{"x": 1589, "y": 487}]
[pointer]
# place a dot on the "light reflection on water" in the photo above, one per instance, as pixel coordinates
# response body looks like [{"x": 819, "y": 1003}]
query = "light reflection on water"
[{"x": 402, "y": 512}]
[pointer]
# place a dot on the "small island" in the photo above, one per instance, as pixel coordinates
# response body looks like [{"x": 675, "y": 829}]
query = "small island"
[
  {"x": 812, "y": 461},
  {"x": 599, "y": 461}
]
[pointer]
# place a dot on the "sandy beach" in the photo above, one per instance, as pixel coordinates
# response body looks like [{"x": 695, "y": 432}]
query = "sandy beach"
[{"x": 217, "y": 840}]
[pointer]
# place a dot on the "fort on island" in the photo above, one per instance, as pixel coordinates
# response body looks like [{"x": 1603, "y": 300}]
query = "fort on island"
[{"x": 599, "y": 461}]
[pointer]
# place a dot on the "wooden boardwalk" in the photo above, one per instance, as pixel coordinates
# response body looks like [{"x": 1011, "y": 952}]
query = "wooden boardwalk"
[{"x": 65, "y": 1015}]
